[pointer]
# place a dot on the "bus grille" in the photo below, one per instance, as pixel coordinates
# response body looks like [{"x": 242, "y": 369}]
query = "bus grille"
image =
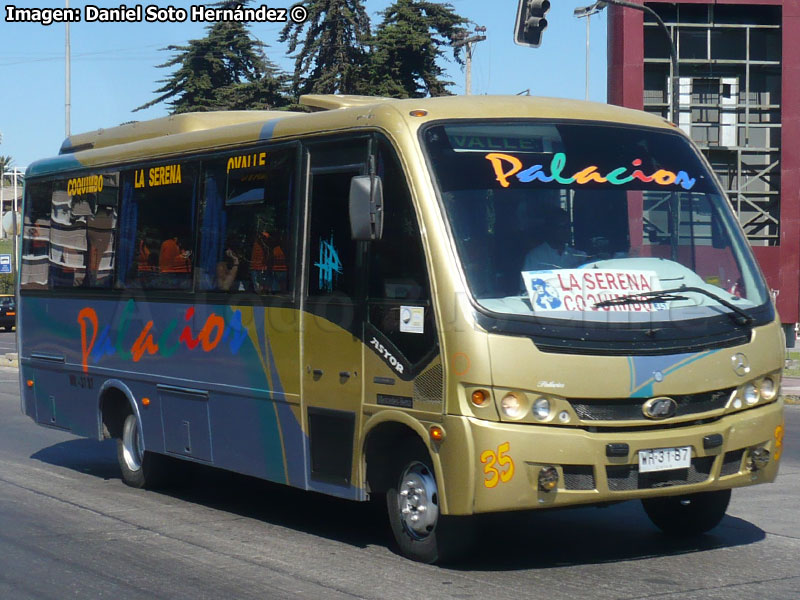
[
  {"x": 627, "y": 477},
  {"x": 578, "y": 477},
  {"x": 630, "y": 409}
]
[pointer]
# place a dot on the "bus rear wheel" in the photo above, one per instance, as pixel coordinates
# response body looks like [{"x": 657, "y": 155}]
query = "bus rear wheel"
[
  {"x": 420, "y": 530},
  {"x": 690, "y": 515},
  {"x": 140, "y": 469}
]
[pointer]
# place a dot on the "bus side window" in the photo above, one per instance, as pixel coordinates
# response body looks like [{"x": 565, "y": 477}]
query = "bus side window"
[
  {"x": 398, "y": 290},
  {"x": 157, "y": 228},
  {"x": 81, "y": 232},
  {"x": 36, "y": 236},
  {"x": 246, "y": 237},
  {"x": 334, "y": 259}
]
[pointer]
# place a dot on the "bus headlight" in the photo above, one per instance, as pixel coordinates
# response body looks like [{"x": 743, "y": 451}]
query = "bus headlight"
[
  {"x": 750, "y": 394},
  {"x": 768, "y": 388},
  {"x": 541, "y": 409},
  {"x": 511, "y": 406}
]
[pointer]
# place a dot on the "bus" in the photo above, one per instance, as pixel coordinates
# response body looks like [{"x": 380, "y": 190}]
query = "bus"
[{"x": 457, "y": 305}]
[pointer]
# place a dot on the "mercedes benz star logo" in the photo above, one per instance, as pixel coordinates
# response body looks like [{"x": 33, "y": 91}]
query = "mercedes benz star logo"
[
  {"x": 660, "y": 408},
  {"x": 741, "y": 366}
]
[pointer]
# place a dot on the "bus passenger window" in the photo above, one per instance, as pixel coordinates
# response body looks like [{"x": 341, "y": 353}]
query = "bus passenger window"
[
  {"x": 245, "y": 233},
  {"x": 36, "y": 236},
  {"x": 157, "y": 228}
]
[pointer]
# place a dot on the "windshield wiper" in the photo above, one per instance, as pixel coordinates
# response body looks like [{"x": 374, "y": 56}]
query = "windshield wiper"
[{"x": 739, "y": 316}]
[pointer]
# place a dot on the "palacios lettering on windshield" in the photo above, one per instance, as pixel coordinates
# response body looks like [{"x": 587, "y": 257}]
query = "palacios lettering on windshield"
[{"x": 507, "y": 165}]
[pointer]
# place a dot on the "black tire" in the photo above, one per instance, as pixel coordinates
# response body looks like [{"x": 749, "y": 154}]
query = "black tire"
[
  {"x": 432, "y": 537},
  {"x": 140, "y": 469},
  {"x": 690, "y": 515}
]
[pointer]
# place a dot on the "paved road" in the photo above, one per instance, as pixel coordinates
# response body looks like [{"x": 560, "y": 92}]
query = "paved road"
[
  {"x": 8, "y": 342},
  {"x": 70, "y": 528}
]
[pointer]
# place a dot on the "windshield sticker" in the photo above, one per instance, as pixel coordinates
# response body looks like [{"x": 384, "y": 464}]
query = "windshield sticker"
[
  {"x": 329, "y": 264},
  {"x": 506, "y": 165},
  {"x": 581, "y": 289},
  {"x": 412, "y": 319}
]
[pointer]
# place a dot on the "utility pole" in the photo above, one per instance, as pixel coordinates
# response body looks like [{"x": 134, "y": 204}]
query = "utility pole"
[{"x": 464, "y": 40}]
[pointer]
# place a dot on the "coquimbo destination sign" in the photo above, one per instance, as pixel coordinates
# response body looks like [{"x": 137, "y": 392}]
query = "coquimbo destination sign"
[{"x": 458, "y": 305}]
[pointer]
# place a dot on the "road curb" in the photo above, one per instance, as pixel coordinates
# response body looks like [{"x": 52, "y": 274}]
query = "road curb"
[{"x": 9, "y": 360}]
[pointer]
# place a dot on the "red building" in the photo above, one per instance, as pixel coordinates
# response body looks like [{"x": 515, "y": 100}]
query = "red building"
[{"x": 739, "y": 100}]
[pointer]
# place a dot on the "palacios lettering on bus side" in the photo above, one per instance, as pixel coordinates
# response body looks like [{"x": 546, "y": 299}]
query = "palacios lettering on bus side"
[
  {"x": 97, "y": 343},
  {"x": 158, "y": 176}
]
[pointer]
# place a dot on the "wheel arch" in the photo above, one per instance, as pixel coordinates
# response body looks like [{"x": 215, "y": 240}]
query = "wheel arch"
[
  {"x": 385, "y": 432},
  {"x": 115, "y": 400}
]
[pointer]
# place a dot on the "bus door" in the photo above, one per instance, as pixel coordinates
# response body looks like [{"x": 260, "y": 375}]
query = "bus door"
[{"x": 333, "y": 315}]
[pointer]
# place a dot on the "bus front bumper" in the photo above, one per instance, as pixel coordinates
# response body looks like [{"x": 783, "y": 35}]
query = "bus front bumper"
[{"x": 511, "y": 460}]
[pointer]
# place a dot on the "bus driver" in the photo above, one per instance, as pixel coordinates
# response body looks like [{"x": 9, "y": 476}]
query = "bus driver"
[{"x": 551, "y": 229}]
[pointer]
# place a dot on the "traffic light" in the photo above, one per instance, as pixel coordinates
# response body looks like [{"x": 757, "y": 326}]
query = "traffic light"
[{"x": 531, "y": 22}]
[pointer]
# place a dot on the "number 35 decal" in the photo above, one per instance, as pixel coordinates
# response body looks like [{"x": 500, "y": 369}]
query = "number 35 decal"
[{"x": 498, "y": 465}]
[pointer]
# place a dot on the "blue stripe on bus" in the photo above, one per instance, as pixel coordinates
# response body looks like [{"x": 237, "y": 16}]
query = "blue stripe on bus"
[
  {"x": 268, "y": 129},
  {"x": 643, "y": 369}
]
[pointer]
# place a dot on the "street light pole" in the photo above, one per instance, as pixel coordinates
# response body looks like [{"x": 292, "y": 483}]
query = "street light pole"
[
  {"x": 588, "y": 37},
  {"x": 67, "y": 75},
  {"x": 587, "y": 12},
  {"x": 674, "y": 79}
]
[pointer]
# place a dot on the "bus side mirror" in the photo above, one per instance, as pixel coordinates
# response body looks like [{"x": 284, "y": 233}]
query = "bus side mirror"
[{"x": 366, "y": 208}]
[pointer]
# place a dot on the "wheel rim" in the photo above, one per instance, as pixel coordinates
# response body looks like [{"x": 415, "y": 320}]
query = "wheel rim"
[
  {"x": 132, "y": 444},
  {"x": 418, "y": 500}
]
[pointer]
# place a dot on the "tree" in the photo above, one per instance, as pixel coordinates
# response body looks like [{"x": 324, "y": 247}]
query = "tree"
[
  {"x": 332, "y": 56},
  {"x": 408, "y": 45},
  {"x": 227, "y": 69},
  {"x": 5, "y": 163}
]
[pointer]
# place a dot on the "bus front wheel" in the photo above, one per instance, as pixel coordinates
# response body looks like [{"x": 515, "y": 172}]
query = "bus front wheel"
[
  {"x": 140, "y": 469},
  {"x": 689, "y": 515},
  {"x": 420, "y": 530}
]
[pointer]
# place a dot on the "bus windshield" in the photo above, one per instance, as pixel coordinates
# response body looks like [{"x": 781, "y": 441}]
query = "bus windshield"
[{"x": 590, "y": 222}]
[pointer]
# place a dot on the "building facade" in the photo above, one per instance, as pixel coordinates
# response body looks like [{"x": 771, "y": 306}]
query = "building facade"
[{"x": 739, "y": 99}]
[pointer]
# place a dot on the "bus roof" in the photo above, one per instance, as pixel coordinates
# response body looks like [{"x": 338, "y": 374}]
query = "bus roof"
[{"x": 195, "y": 132}]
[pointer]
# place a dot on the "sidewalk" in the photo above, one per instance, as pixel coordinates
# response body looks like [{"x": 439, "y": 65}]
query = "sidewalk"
[{"x": 790, "y": 386}]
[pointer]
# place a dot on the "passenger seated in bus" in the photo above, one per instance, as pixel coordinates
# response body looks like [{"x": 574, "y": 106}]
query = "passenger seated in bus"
[
  {"x": 172, "y": 258},
  {"x": 145, "y": 259},
  {"x": 229, "y": 269},
  {"x": 268, "y": 266},
  {"x": 551, "y": 229}
]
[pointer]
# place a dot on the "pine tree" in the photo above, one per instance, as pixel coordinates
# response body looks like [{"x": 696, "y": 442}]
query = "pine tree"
[
  {"x": 332, "y": 56},
  {"x": 227, "y": 69},
  {"x": 408, "y": 45}
]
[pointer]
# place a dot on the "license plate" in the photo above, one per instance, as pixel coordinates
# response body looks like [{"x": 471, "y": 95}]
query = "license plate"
[{"x": 665, "y": 459}]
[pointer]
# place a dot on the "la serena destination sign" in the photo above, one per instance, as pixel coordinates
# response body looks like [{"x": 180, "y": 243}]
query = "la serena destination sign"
[{"x": 581, "y": 289}]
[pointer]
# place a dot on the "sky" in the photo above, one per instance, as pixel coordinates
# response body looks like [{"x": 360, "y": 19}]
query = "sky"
[{"x": 113, "y": 65}]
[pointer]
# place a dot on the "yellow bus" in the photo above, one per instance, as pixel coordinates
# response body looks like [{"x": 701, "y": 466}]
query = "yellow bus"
[{"x": 464, "y": 305}]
